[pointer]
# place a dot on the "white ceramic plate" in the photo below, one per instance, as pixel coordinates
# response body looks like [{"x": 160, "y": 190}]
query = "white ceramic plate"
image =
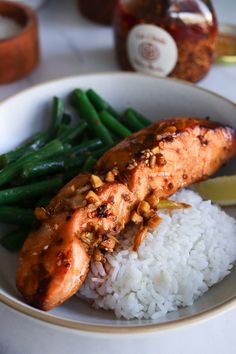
[{"x": 28, "y": 112}]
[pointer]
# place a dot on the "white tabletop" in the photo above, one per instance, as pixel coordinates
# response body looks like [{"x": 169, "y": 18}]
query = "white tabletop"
[{"x": 70, "y": 45}]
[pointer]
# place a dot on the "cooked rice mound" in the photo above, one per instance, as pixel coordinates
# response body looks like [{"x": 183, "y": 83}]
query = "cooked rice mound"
[{"x": 191, "y": 250}]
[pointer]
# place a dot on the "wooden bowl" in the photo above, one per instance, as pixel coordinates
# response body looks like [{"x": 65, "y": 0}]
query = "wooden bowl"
[{"x": 19, "y": 54}]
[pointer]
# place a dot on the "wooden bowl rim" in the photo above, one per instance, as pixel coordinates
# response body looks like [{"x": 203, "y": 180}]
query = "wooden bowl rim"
[{"x": 31, "y": 20}]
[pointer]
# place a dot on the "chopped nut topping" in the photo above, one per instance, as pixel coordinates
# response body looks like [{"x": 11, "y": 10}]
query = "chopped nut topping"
[
  {"x": 132, "y": 164},
  {"x": 109, "y": 244},
  {"x": 153, "y": 222},
  {"x": 145, "y": 154},
  {"x": 144, "y": 208},
  {"x": 136, "y": 218},
  {"x": 115, "y": 171},
  {"x": 96, "y": 181},
  {"x": 153, "y": 200},
  {"x": 152, "y": 161},
  {"x": 87, "y": 237},
  {"x": 110, "y": 177},
  {"x": 171, "y": 129},
  {"x": 156, "y": 150},
  {"x": 41, "y": 213},
  {"x": 69, "y": 190},
  {"x": 92, "y": 197},
  {"x": 72, "y": 188}
]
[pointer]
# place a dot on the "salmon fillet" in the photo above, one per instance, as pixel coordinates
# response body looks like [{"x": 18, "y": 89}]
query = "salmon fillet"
[{"x": 88, "y": 214}]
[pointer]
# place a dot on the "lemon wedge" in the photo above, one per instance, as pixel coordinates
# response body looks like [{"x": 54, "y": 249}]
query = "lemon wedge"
[{"x": 221, "y": 190}]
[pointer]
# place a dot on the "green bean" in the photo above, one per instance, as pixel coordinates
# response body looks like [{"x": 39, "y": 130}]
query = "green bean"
[
  {"x": 67, "y": 148},
  {"x": 56, "y": 115},
  {"x": 14, "y": 239},
  {"x": 89, "y": 114},
  {"x": 89, "y": 164},
  {"x": 66, "y": 119},
  {"x": 16, "y": 194},
  {"x": 51, "y": 149},
  {"x": 14, "y": 215},
  {"x": 75, "y": 162},
  {"x": 90, "y": 160},
  {"x": 32, "y": 144},
  {"x": 114, "y": 125},
  {"x": 62, "y": 129},
  {"x": 47, "y": 167},
  {"x": 64, "y": 125},
  {"x": 87, "y": 145},
  {"x": 100, "y": 104},
  {"x": 143, "y": 120},
  {"x": 130, "y": 120},
  {"x": 42, "y": 168},
  {"x": 28, "y": 203},
  {"x": 74, "y": 132},
  {"x": 19, "y": 181}
]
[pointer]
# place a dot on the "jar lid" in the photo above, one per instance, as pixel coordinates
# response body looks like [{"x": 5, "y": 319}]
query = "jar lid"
[{"x": 226, "y": 45}]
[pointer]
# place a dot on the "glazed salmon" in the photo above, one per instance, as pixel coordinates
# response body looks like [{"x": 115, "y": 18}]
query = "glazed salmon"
[
  {"x": 88, "y": 214},
  {"x": 181, "y": 150}
]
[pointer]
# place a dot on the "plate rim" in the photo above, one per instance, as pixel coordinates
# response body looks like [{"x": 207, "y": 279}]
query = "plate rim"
[
  {"x": 67, "y": 324},
  {"x": 106, "y": 329},
  {"x": 116, "y": 73}
]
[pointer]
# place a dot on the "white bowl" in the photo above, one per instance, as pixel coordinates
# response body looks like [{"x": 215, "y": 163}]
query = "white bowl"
[{"x": 28, "y": 112}]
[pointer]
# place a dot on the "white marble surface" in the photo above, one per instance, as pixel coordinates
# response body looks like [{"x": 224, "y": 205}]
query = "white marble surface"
[{"x": 70, "y": 46}]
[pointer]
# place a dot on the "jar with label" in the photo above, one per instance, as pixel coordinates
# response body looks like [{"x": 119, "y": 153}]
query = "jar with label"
[
  {"x": 100, "y": 11},
  {"x": 166, "y": 37}
]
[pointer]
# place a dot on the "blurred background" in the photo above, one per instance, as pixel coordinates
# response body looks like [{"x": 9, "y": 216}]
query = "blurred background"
[{"x": 72, "y": 45}]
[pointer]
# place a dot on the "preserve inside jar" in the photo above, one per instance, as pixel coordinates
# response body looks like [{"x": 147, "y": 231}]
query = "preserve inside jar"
[
  {"x": 100, "y": 11},
  {"x": 166, "y": 37}
]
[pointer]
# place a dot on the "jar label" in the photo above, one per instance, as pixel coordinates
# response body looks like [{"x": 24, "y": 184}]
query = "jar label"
[{"x": 152, "y": 50}]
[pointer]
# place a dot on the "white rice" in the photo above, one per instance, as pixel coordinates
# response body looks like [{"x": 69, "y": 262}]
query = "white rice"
[{"x": 191, "y": 250}]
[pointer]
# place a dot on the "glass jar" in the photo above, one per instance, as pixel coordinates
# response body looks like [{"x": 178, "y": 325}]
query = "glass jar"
[
  {"x": 100, "y": 11},
  {"x": 166, "y": 37}
]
